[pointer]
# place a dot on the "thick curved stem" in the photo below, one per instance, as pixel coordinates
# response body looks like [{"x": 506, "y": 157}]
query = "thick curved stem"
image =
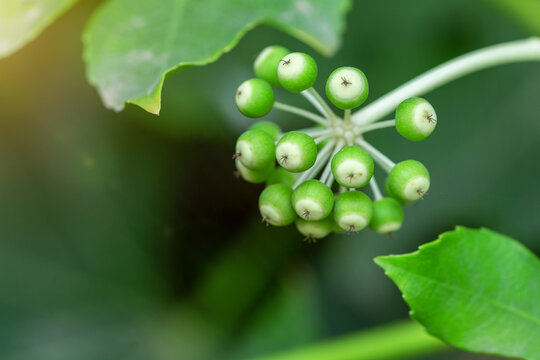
[
  {"x": 395, "y": 341},
  {"x": 505, "y": 53}
]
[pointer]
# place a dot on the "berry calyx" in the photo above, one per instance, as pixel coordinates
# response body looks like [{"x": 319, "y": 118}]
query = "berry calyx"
[
  {"x": 297, "y": 72},
  {"x": 347, "y": 87},
  {"x": 408, "y": 181},
  {"x": 314, "y": 230},
  {"x": 267, "y": 62},
  {"x": 387, "y": 216},
  {"x": 255, "y": 98},
  {"x": 312, "y": 200},
  {"x": 255, "y": 149},
  {"x": 253, "y": 176},
  {"x": 275, "y": 205},
  {"x": 296, "y": 151},
  {"x": 353, "y": 210},
  {"x": 415, "y": 119},
  {"x": 352, "y": 167},
  {"x": 268, "y": 127}
]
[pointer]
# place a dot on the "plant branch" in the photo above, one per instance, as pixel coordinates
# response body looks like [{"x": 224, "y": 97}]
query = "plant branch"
[
  {"x": 318, "y": 98},
  {"x": 375, "y": 188},
  {"x": 394, "y": 341},
  {"x": 313, "y": 101},
  {"x": 378, "y": 156},
  {"x": 505, "y": 53},
  {"x": 300, "y": 112},
  {"x": 379, "y": 125},
  {"x": 327, "y": 172}
]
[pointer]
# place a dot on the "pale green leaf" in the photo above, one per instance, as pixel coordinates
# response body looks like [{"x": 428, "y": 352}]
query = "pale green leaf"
[
  {"x": 23, "y": 20},
  {"x": 131, "y": 45},
  {"x": 475, "y": 289}
]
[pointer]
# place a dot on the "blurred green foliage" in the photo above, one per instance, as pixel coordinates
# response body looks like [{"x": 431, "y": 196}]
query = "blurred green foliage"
[
  {"x": 126, "y": 235},
  {"x": 523, "y": 11},
  {"x": 21, "y": 21}
]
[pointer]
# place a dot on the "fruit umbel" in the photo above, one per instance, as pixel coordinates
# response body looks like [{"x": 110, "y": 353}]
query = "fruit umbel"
[{"x": 316, "y": 177}]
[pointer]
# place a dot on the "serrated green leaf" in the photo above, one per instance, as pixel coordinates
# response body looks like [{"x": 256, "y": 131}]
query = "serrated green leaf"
[
  {"x": 23, "y": 20},
  {"x": 131, "y": 45},
  {"x": 475, "y": 289}
]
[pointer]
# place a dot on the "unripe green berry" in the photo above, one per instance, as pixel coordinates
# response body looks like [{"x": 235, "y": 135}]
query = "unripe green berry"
[
  {"x": 267, "y": 62},
  {"x": 255, "y": 98},
  {"x": 353, "y": 210},
  {"x": 390, "y": 194},
  {"x": 275, "y": 205},
  {"x": 313, "y": 230},
  {"x": 312, "y": 200},
  {"x": 352, "y": 167},
  {"x": 387, "y": 216},
  {"x": 281, "y": 176},
  {"x": 415, "y": 119},
  {"x": 268, "y": 127},
  {"x": 297, "y": 72},
  {"x": 347, "y": 87},
  {"x": 255, "y": 149},
  {"x": 336, "y": 228},
  {"x": 296, "y": 151},
  {"x": 408, "y": 181},
  {"x": 254, "y": 176}
]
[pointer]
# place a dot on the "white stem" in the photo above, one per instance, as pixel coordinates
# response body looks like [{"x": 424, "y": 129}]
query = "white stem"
[
  {"x": 318, "y": 132},
  {"x": 323, "y": 137},
  {"x": 378, "y": 156},
  {"x": 313, "y": 102},
  {"x": 301, "y": 112},
  {"x": 330, "y": 181},
  {"x": 378, "y": 125},
  {"x": 509, "y": 52},
  {"x": 329, "y": 113},
  {"x": 322, "y": 156},
  {"x": 375, "y": 188},
  {"x": 328, "y": 169}
]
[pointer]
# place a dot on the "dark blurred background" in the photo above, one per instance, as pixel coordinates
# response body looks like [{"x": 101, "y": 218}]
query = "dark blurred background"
[{"x": 125, "y": 235}]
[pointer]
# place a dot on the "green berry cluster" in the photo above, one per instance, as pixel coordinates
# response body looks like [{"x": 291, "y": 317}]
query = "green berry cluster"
[{"x": 315, "y": 177}]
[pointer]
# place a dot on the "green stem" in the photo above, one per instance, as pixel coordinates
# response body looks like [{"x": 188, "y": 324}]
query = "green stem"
[{"x": 395, "y": 341}]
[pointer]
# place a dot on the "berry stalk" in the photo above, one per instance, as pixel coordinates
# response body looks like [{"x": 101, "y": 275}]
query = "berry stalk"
[{"x": 378, "y": 156}]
